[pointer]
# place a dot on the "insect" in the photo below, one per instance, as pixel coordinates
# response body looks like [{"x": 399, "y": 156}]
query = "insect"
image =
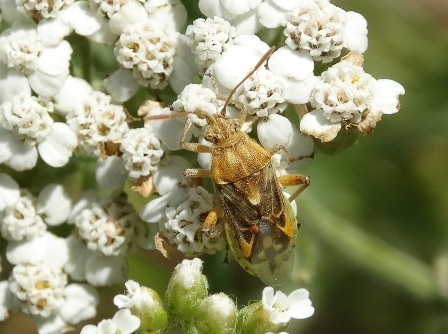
[{"x": 260, "y": 225}]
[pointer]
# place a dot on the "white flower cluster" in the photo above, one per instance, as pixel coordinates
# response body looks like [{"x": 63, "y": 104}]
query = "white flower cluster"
[
  {"x": 208, "y": 38},
  {"x": 57, "y": 106},
  {"x": 38, "y": 283},
  {"x": 148, "y": 49},
  {"x": 107, "y": 227},
  {"x": 180, "y": 215}
]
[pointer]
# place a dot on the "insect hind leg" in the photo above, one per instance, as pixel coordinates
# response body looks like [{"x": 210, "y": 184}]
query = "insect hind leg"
[{"x": 301, "y": 180}]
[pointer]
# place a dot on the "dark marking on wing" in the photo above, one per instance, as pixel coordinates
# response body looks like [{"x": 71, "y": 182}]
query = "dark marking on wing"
[{"x": 241, "y": 214}]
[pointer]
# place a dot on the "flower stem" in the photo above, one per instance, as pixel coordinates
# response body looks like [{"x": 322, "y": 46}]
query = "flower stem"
[{"x": 368, "y": 251}]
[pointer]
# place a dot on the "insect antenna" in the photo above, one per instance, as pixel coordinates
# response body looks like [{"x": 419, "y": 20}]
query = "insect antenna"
[
  {"x": 256, "y": 67},
  {"x": 180, "y": 114}
]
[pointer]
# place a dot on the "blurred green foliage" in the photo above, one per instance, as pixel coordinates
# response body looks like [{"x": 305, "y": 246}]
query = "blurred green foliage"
[{"x": 391, "y": 187}]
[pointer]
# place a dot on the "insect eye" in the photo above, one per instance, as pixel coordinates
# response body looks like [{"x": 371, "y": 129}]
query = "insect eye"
[{"x": 208, "y": 136}]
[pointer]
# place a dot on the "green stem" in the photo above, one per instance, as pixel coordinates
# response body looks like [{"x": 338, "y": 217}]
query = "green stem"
[{"x": 368, "y": 251}]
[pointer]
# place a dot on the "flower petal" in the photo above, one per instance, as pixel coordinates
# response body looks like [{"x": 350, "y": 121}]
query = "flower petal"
[
  {"x": 316, "y": 125},
  {"x": 355, "y": 32},
  {"x": 385, "y": 97},
  {"x": 80, "y": 303},
  {"x": 57, "y": 148},
  {"x": 24, "y": 155},
  {"x": 55, "y": 203},
  {"x": 292, "y": 64},
  {"x": 110, "y": 172},
  {"x": 274, "y": 130},
  {"x": 104, "y": 270},
  {"x": 121, "y": 85},
  {"x": 9, "y": 191}
]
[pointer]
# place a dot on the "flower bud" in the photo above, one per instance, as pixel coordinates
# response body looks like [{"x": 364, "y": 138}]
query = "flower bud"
[
  {"x": 216, "y": 314},
  {"x": 254, "y": 319},
  {"x": 186, "y": 288}
]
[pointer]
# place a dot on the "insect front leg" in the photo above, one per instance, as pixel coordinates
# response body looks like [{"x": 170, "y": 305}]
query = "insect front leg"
[
  {"x": 279, "y": 147},
  {"x": 300, "y": 180}
]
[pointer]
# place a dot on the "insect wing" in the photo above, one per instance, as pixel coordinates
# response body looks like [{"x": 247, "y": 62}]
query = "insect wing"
[{"x": 260, "y": 225}]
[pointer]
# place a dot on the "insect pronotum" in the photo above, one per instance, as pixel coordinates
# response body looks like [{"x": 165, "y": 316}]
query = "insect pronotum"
[{"x": 260, "y": 225}]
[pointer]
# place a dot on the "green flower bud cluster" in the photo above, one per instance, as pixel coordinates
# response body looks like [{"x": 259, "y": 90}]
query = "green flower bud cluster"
[{"x": 189, "y": 306}]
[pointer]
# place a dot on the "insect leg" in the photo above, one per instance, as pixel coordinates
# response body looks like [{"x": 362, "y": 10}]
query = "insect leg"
[
  {"x": 193, "y": 147},
  {"x": 294, "y": 180},
  {"x": 279, "y": 147}
]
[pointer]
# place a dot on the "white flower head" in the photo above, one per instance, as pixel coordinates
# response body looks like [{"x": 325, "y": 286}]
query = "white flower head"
[
  {"x": 196, "y": 98},
  {"x": 123, "y": 322},
  {"x": 146, "y": 304},
  {"x": 45, "y": 66},
  {"x": 39, "y": 288},
  {"x": 264, "y": 93},
  {"x": 21, "y": 48},
  {"x": 148, "y": 49},
  {"x": 41, "y": 291},
  {"x": 107, "y": 227},
  {"x": 184, "y": 229},
  {"x": 208, "y": 38},
  {"x": 282, "y": 308},
  {"x": 142, "y": 152},
  {"x": 347, "y": 96},
  {"x": 21, "y": 221},
  {"x": 38, "y": 10},
  {"x": 96, "y": 119},
  {"x": 136, "y": 296},
  {"x": 28, "y": 116},
  {"x": 321, "y": 28},
  {"x": 107, "y": 8},
  {"x": 26, "y": 124}
]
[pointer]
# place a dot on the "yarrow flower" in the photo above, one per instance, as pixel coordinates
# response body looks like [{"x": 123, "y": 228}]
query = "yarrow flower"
[
  {"x": 142, "y": 152},
  {"x": 42, "y": 291},
  {"x": 21, "y": 221},
  {"x": 38, "y": 10},
  {"x": 181, "y": 220},
  {"x": 208, "y": 38},
  {"x": 347, "y": 97},
  {"x": 123, "y": 322},
  {"x": 44, "y": 65},
  {"x": 26, "y": 122},
  {"x": 147, "y": 48},
  {"x": 96, "y": 119},
  {"x": 264, "y": 93},
  {"x": 324, "y": 30},
  {"x": 26, "y": 217},
  {"x": 282, "y": 308},
  {"x": 146, "y": 304},
  {"x": 107, "y": 227},
  {"x": 39, "y": 288},
  {"x": 198, "y": 98}
]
